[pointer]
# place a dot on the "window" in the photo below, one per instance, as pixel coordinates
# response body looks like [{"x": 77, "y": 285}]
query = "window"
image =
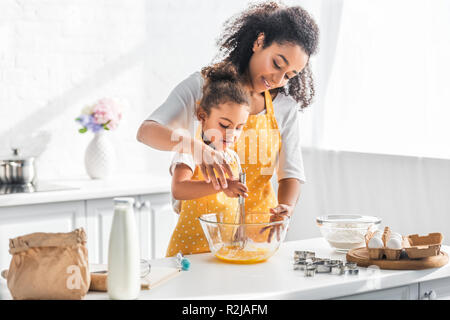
[{"x": 386, "y": 82}]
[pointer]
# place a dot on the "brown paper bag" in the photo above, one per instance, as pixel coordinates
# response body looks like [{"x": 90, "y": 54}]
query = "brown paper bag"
[{"x": 49, "y": 266}]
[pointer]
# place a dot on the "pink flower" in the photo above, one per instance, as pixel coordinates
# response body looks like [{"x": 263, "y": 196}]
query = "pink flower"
[{"x": 109, "y": 111}]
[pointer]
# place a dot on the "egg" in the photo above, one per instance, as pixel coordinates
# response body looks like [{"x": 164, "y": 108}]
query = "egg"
[
  {"x": 375, "y": 243},
  {"x": 394, "y": 243},
  {"x": 395, "y": 235},
  {"x": 378, "y": 233}
]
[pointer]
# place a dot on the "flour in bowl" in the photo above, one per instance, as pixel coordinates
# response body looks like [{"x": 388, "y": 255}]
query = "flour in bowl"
[{"x": 346, "y": 235}]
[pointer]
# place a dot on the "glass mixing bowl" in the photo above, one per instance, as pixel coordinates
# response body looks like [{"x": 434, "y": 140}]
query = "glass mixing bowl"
[
  {"x": 345, "y": 232},
  {"x": 259, "y": 244}
]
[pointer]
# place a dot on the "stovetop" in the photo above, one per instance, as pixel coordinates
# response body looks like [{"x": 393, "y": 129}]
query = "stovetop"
[{"x": 31, "y": 188}]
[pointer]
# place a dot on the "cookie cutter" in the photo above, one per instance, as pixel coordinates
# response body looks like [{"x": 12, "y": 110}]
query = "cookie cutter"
[
  {"x": 310, "y": 270},
  {"x": 308, "y": 262},
  {"x": 353, "y": 271},
  {"x": 320, "y": 260},
  {"x": 301, "y": 264},
  {"x": 322, "y": 266},
  {"x": 337, "y": 262},
  {"x": 298, "y": 254},
  {"x": 351, "y": 265},
  {"x": 338, "y": 269}
]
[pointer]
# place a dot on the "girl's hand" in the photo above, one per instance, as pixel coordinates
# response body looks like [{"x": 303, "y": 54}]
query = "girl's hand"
[
  {"x": 235, "y": 189},
  {"x": 279, "y": 213},
  {"x": 211, "y": 159}
]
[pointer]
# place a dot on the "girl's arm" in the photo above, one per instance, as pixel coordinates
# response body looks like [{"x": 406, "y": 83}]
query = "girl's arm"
[{"x": 183, "y": 188}]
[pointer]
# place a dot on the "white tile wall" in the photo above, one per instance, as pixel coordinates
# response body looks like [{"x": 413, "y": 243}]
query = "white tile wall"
[{"x": 58, "y": 55}]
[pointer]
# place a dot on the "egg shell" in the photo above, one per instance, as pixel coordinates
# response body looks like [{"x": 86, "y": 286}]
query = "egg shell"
[
  {"x": 378, "y": 233},
  {"x": 375, "y": 243},
  {"x": 395, "y": 235},
  {"x": 394, "y": 243}
]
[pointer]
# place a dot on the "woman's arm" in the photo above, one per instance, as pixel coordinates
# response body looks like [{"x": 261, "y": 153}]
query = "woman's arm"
[
  {"x": 288, "y": 194},
  {"x": 290, "y": 170},
  {"x": 288, "y": 191},
  {"x": 163, "y": 138}
]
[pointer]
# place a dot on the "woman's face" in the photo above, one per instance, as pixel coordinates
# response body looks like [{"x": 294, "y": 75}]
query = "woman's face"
[
  {"x": 224, "y": 124},
  {"x": 272, "y": 67}
]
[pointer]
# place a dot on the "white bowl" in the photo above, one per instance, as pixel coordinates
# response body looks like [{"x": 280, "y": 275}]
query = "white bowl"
[{"x": 345, "y": 232}]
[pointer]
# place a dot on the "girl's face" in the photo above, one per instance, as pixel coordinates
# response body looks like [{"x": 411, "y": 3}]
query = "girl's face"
[
  {"x": 224, "y": 124},
  {"x": 273, "y": 66}
]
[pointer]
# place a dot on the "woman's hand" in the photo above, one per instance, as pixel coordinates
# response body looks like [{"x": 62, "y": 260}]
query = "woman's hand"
[
  {"x": 164, "y": 138},
  {"x": 213, "y": 165},
  {"x": 279, "y": 213},
  {"x": 236, "y": 189},
  {"x": 282, "y": 210}
]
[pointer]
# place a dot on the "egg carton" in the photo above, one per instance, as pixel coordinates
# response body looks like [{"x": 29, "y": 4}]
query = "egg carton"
[
  {"x": 415, "y": 246},
  {"x": 424, "y": 246}
]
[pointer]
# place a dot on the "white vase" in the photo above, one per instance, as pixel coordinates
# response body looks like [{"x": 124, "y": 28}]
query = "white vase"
[{"x": 100, "y": 156}]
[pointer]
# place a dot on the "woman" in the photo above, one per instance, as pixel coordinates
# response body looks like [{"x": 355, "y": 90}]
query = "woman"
[{"x": 270, "y": 45}]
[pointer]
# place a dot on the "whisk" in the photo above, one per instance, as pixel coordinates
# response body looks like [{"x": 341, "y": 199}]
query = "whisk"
[{"x": 239, "y": 237}]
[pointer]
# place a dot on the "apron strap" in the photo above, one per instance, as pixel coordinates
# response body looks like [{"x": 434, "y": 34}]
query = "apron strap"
[{"x": 269, "y": 104}]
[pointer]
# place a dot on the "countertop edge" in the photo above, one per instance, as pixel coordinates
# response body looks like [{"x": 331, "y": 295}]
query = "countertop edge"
[{"x": 87, "y": 189}]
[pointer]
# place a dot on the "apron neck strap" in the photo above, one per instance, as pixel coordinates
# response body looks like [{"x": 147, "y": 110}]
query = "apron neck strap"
[{"x": 268, "y": 100}]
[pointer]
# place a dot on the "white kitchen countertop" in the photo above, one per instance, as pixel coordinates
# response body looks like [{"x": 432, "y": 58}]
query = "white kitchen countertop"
[
  {"x": 85, "y": 188},
  {"x": 209, "y": 278}
]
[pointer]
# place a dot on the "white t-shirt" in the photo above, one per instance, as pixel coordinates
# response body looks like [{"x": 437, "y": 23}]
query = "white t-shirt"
[{"x": 178, "y": 111}]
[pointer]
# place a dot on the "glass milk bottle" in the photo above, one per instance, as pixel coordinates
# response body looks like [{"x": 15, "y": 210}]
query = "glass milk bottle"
[{"x": 123, "y": 253}]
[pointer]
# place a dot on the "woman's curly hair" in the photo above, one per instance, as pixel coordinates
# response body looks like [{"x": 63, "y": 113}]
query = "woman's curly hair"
[{"x": 281, "y": 24}]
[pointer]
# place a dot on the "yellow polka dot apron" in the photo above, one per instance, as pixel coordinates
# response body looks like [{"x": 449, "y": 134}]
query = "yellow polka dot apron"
[
  {"x": 188, "y": 236},
  {"x": 258, "y": 148}
]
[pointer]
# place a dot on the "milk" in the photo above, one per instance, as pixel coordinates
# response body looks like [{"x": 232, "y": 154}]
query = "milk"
[{"x": 123, "y": 253}]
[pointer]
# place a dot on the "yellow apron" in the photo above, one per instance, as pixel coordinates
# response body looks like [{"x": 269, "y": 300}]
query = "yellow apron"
[
  {"x": 188, "y": 236},
  {"x": 258, "y": 148}
]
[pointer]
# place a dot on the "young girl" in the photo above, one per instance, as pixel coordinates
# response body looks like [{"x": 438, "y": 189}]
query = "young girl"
[{"x": 222, "y": 112}]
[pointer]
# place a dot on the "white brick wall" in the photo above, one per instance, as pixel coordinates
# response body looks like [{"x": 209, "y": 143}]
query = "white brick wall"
[{"x": 58, "y": 55}]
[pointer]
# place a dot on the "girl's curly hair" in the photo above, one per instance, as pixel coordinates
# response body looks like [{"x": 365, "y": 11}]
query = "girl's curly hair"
[
  {"x": 222, "y": 85},
  {"x": 281, "y": 24}
]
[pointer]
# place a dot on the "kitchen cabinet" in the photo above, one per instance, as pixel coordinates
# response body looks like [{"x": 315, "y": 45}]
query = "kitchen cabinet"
[
  {"x": 435, "y": 289},
  {"x": 155, "y": 221},
  {"x": 409, "y": 292},
  {"x": 164, "y": 220},
  {"x": 50, "y": 217},
  {"x": 99, "y": 215},
  {"x": 438, "y": 289}
]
